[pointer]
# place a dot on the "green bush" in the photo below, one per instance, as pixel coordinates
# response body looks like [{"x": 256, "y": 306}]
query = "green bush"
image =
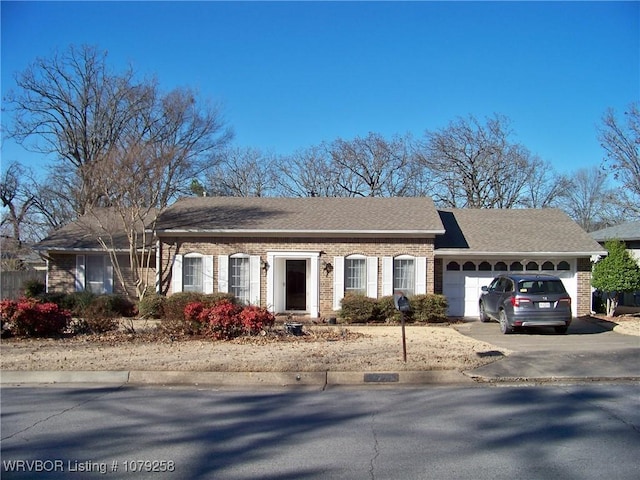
[
  {"x": 109, "y": 306},
  {"x": 358, "y": 308},
  {"x": 429, "y": 308},
  {"x": 33, "y": 288},
  {"x": 387, "y": 311},
  {"x": 152, "y": 306},
  {"x": 77, "y": 302}
]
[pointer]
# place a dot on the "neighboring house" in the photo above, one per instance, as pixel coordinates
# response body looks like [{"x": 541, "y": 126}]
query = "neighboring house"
[
  {"x": 302, "y": 255},
  {"x": 629, "y": 234},
  {"x": 77, "y": 260}
]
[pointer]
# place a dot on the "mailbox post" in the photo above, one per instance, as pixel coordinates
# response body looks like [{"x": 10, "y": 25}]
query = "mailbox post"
[{"x": 402, "y": 305}]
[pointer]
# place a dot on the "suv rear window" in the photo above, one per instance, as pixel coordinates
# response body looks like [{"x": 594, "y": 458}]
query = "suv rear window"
[{"x": 541, "y": 286}]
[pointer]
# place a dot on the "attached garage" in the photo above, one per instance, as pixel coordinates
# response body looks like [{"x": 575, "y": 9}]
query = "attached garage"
[
  {"x": 463, "y": 279},
  {"x": 479, "y": 244}
]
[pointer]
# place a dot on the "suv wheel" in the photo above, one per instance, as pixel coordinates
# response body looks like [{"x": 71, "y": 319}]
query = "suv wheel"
[
  {"x": 483, "y": 314},
  {"x": 504, "y": 323}
]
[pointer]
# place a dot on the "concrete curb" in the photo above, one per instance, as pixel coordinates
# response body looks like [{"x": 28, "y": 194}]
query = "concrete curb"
[
  {"x": 320, "y": 379},
  {"x": 59, "y": 376}
]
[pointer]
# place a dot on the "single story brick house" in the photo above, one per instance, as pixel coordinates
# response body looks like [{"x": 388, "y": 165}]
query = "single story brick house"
[{"x": 302, "y": 255}]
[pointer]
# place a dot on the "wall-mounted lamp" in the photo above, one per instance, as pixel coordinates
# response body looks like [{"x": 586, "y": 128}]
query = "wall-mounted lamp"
[
  {"x": 327, "y": 267},
  {"x": 265, "y": 265}
]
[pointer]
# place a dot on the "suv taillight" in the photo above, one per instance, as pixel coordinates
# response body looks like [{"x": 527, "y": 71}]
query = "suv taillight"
[
  {"x": 566, "y": 300},
  {"x": 519, "y": 301}
]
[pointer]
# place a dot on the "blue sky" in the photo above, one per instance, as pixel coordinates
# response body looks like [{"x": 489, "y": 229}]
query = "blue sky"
[{"x": 293, "y": 74}]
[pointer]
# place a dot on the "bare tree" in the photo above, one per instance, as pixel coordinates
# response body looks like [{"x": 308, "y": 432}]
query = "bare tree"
[
  {"x": 545, "y": 186},
  {"x": 589, "y": 200},
  {"x": 308, "y": 173},
  {"x": 476, "y": 165},
  {"x": 72, "y": 106},
  {"x": 244, "y": 172},
  {"x": 120, "y": 143},
  {"x": 621, "y": 141}
]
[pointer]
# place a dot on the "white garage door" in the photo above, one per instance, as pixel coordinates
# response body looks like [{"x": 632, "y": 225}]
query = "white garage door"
[{"x": 462, "y": 288}]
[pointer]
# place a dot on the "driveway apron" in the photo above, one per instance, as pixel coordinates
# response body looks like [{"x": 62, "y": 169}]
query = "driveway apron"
[{"x": 589, "y": 351}]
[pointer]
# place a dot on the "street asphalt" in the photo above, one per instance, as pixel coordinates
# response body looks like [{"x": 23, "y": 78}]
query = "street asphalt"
[{"x": 590, "y": 351}]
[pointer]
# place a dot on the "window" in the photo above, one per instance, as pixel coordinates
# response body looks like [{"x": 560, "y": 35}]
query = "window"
[
  {"x": 548, "y": 266},
  {"x": 97, "y": 273},
  {"x": 355, "y": 275},
  {"x": 501, "y": 267},
  {"x": 531, "y": 266},
  {"x": 404, "y": 275},
  {"x": 516, "y": 267},
  {"x": 564, "y": 266},
  {"x": 484, "y": 267},
  {"x": 239, "y": 278},
  {"x": 469, "y": 266},
  {"x": 192, "y": 274},
  {"x": 453, "y": 266}
]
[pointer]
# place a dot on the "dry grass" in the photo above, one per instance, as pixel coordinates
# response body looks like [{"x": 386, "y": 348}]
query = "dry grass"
[{"x": 321, "y": 348}]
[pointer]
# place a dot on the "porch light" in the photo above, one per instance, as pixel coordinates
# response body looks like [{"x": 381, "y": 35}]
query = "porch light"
[
  {"x": 327, "y": 267},
  {"x": 265, "y": 265}
]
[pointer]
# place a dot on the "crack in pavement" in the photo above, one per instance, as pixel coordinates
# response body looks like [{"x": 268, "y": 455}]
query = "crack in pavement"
[{"x": 61, "y": 412}]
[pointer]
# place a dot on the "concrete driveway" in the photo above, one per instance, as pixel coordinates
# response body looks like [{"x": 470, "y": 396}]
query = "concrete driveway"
[{"x": 589, "y": 351}]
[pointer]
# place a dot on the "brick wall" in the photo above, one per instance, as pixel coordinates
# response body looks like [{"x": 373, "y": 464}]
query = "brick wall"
[
  {"x": 329, "y": 248},
  {"x": 583, "y": 302}
]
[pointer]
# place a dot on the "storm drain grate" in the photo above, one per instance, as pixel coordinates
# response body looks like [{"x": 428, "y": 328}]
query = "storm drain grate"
[{"x": 381, "y": 377}]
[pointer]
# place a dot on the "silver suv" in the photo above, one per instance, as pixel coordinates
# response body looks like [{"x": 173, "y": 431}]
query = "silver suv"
[{"x": 521, "y": 300}]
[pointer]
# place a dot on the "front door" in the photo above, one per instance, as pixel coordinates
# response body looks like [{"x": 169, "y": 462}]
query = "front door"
[{"x": 296, "y": 285}]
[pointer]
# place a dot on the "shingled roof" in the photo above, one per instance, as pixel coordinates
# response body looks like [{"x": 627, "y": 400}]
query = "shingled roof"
[
  {"x": 513, "y": 231},
  {"x": 82, "y": 234},
  {"x": 629, "y": 231},
  {"x": 309, "y": 216}
]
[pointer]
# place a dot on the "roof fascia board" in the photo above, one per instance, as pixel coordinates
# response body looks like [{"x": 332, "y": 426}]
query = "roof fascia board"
[
  {"x": 451, "y": 253},
  {"x": 300, "y": 233}
]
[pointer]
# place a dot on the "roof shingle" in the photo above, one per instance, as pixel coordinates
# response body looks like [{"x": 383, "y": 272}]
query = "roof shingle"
[
  {"x": 504, "y": 231},
  {"x": 302, "y": 215}
]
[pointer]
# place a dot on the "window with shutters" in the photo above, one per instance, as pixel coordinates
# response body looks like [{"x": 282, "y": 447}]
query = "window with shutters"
[
  {"x": 192, "y": 274},
  {"x": 404, "y": 275},
  {"x": 355, "y": 275},
  {"x": 240, "y": 278}
]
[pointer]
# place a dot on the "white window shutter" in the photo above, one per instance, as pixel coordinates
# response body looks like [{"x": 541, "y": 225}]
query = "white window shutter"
[
  {"x": 80, "y": 273},
  {"x": 223, "y": 273},
  {"x": 207, "y": 274},
  {"x": 387, "y": 276},
  {"x": 108, "y": 275},
  {"x": 421, "y": 276},
  {"x": 338, "y": 282},
  {"x": 176, "y": 274},
  {"x": 254, "y": 280},
  {"x": 372, "y": 277}
]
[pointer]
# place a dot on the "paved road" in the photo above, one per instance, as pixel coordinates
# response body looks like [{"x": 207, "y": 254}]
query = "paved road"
[
  {"x": 589, "y": 350},
  {"x": 576, "y": 432}
]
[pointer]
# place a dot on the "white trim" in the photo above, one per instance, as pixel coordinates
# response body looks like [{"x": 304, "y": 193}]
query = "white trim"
[
  {"x": 387, "y": 276},
  {"x": 80, "y": 273},
  {"x": 420, "y": 283},
  {"x": 207, "y": 273},
  {"x": 223, "y": 273},
  {"x": 338, "y": 282},
  {"x": 276, "y": 281},
  {"x": 254, "y": 279},
  {"x": 372, "y": 277},
  {"x": 176, "y": 274}
]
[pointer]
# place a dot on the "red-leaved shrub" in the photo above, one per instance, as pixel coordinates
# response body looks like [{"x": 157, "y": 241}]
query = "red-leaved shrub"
[
  {"x": 255, "y": 319},
  {"x": 222, "y": 321},
  {"x": 29, "y": 318}
]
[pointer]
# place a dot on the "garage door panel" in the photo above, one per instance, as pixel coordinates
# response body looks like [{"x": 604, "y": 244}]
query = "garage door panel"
[{"x": 463, "y": 288}]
